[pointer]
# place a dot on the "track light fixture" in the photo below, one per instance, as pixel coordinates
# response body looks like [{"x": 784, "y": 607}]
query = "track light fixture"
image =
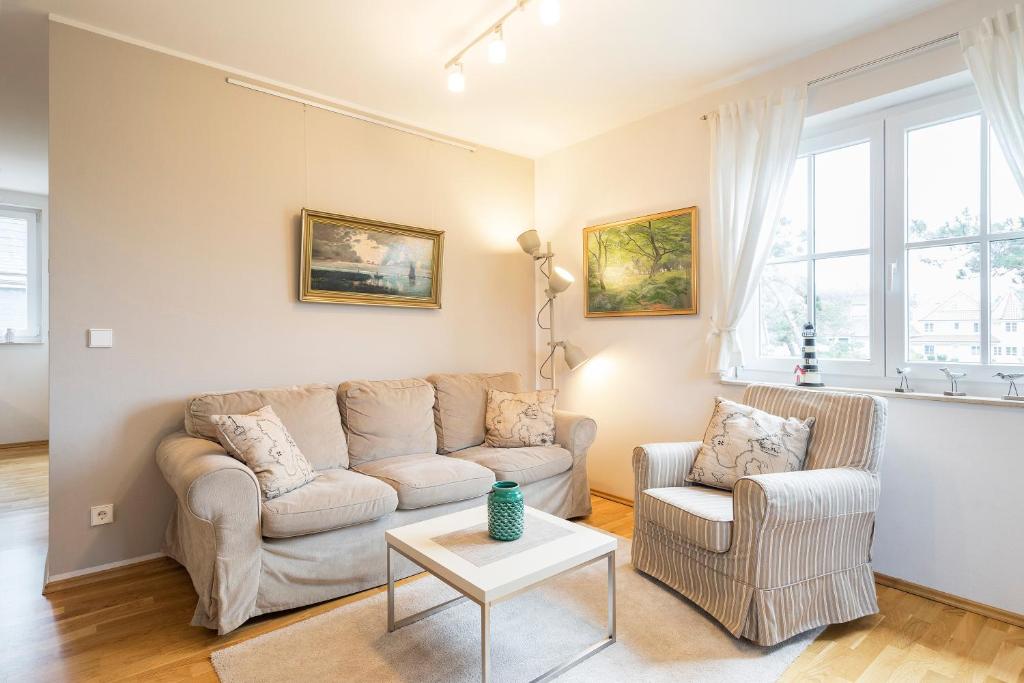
[
  {"x": 497, "y": 51},
  {"x": 559, "y": 280},
  {"x": 456, "y": 79}
]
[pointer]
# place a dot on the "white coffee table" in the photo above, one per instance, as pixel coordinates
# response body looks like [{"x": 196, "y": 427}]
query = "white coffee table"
[{"x": 456, "y": 549}]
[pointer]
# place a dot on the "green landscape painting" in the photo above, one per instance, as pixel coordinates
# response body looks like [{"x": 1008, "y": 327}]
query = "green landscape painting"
[{"x": 642, "y": 266}]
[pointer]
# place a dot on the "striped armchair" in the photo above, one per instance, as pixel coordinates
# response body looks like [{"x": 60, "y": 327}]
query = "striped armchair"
[{"x": 781, "y": 553}]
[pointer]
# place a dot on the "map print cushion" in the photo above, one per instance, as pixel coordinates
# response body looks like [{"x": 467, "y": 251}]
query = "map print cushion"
[
  {"x": 261, "y": 441},
  {"x": 741, "y": 441},
  {"x": 517, "y": 420}
]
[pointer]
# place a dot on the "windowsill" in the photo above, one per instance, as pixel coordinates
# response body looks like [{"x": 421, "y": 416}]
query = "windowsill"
[
  {"x": 887, "y": 393},
  {"x": 23, "y": 342}
]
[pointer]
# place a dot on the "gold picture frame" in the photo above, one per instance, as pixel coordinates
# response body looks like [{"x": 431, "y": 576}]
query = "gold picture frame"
[
  {"x": 349, "y": 260},
  {"x": 642, "y": 266}
]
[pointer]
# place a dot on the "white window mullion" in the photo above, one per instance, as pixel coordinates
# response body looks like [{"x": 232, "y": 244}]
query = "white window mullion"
[{"x": 985, "y": 305}]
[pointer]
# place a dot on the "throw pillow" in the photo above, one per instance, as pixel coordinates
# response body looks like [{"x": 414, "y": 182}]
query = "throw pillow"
[
  {"x": 261, "y": 441},
  {"x": 524, "y": 419},
  {"x": 741, "y": 441}
]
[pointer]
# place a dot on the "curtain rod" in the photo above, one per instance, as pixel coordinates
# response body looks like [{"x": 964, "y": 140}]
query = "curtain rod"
[
  {"x": 875, "y": 62},
  {"x": 349, "y": 114}
]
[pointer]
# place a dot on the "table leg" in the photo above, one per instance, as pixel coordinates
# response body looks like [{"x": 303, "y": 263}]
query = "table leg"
[
  {"x": 611, "y": 596},
  {"x": 485, "y": 642},
  {"x": 391, "y": 593}
]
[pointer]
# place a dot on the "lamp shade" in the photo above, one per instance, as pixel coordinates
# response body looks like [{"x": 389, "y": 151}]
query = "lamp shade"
[
  {"x": 574, "y": 355},
  {"x": 560, "y": 280},
  {"x": 529, "y": 241}
]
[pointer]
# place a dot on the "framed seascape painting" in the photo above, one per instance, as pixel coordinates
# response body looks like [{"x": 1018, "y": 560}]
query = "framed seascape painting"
[
  {"x": 348, "y": 260},
  {"x": 642, "y": 266}
]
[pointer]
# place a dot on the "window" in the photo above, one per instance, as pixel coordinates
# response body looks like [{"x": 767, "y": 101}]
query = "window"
[
  {"x": 822, "y": 261},
  {"x": 901, "y": 238},
  {"x": 20, "y": 276}
]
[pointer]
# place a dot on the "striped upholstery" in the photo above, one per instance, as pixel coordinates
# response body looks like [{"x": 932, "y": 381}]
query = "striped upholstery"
[
  {"x": 698, "y": 514},
  {"x": 800, "y": 544}
]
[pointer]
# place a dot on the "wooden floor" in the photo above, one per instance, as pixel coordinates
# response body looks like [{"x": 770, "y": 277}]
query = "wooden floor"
[{"x": 133, "y": 623}]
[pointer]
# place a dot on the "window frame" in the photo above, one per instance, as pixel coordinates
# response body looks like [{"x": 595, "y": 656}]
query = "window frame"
[
  {"x": 826, "y": 139},
  {"x": 916, "y": 115},
  {"x": 34, "y": 333}
]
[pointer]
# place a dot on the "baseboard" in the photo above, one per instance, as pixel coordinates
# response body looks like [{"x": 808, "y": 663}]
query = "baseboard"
[
  {"x": 79, "y": 577},
  {"x": 612, "y": 497},
  {"x": 12, "y": 449},
  {"x": 981, "y": 608}
]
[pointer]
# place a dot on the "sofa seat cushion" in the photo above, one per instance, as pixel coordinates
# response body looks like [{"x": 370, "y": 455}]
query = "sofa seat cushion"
[
  {"x": 336, "y": 498},
  {"x": 460, "y": 402},
  {"x": 309, "y": 413},
  {"x": 429, "y": 479},
  {"x": 698, "y": 514},
  {"x": 522, "y": 465}
]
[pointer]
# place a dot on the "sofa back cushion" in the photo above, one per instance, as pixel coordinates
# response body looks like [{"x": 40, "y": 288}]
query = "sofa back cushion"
[
  {"x": 309, "y": 413},
  {"x": 460, "y": 402},
  {"x": 388, "y": 418}
]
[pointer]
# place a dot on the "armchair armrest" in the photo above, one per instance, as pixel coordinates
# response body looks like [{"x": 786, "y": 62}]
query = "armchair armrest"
[
  {"x": 806, "y": 495},
  {"x": 657, "y": 465},
  {"x": 574, "y": 432},
  {"x": 795, "y": 526}
]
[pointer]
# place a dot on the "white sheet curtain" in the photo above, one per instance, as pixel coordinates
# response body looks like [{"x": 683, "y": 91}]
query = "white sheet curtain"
[
  {"x": 994, "y": 53},
  {"x": 753, "y": 149}
]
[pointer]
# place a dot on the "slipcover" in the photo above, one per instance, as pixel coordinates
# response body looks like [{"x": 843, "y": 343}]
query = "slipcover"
[
  {"x": 800, "y": 541},
  {"x": 216, "y": 531}
]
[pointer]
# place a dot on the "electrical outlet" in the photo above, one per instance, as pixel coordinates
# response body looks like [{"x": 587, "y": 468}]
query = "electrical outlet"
[{"x": 101, "y": 514}]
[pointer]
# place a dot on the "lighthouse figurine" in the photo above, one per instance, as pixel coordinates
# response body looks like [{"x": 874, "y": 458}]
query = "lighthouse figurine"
[{"x": 807, "y": 374}]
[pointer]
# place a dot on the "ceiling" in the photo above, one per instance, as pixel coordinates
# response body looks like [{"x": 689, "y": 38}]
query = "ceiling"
[{"x": 608, "y": 62}]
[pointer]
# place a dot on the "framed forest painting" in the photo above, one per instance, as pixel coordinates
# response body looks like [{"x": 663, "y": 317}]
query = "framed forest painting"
[
  {"x": 642, "y": 266},
  {"x": 348, "y": 260}
]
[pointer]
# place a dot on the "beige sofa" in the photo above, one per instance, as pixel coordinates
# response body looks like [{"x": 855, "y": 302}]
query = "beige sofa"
[{"x": 387, "y": 453}]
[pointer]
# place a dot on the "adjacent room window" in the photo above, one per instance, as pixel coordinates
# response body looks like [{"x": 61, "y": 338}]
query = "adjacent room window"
[
  {"x": 20, "y": 275},
  {"x": 902, "y": 239}
]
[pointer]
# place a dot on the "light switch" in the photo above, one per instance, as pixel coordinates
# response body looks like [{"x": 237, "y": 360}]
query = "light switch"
[{"x": 101, "y": 339}]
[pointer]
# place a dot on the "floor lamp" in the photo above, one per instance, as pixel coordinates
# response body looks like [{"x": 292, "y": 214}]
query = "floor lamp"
[{"x": 559, "y": 280}]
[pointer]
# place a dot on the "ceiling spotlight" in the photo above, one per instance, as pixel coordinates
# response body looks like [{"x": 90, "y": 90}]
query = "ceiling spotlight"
[
  {"x": 496, "y": 51},
  {"x": 550, "y": 12},
  {"x": 456, "y": 80}
]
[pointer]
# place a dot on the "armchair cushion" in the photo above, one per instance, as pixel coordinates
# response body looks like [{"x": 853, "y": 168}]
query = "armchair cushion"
[
  {"x": 336, "y": 498},
  {"x": 697, "y": 514},
  {"x": 521, "y": 465}
]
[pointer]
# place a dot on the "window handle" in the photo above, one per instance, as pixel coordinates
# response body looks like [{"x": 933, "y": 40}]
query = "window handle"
[{"x": 892, "y": 277}]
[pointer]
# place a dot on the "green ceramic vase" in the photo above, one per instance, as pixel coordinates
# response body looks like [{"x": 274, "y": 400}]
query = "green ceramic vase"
[{"x": 505, "y": 511}]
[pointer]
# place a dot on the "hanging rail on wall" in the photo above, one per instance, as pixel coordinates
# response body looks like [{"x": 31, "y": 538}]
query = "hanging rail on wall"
[
  {"x": 875, "y": 62},
  {"x": 349, "y": 114}
]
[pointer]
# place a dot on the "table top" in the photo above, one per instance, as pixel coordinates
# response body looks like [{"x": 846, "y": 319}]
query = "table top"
[{"x": 456, "y": 548}]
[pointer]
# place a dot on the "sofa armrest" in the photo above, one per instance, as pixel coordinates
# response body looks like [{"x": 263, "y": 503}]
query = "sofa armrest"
[
  {"x": 575, "y": 433},
  {"x": 215, "y": 529},
  {"x": 207, "y": 481},
  {"x": 657, "y": 465}
]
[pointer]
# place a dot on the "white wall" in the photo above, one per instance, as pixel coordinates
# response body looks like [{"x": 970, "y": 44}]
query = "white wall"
[
  {"x": 951, "y": 472},
  {"x": 175, "y": 204},
  {"x": 24, "y": 368}
]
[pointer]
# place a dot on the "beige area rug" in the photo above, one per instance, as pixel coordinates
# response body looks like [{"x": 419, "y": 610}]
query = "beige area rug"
[{"x": 661, "y": 637}]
